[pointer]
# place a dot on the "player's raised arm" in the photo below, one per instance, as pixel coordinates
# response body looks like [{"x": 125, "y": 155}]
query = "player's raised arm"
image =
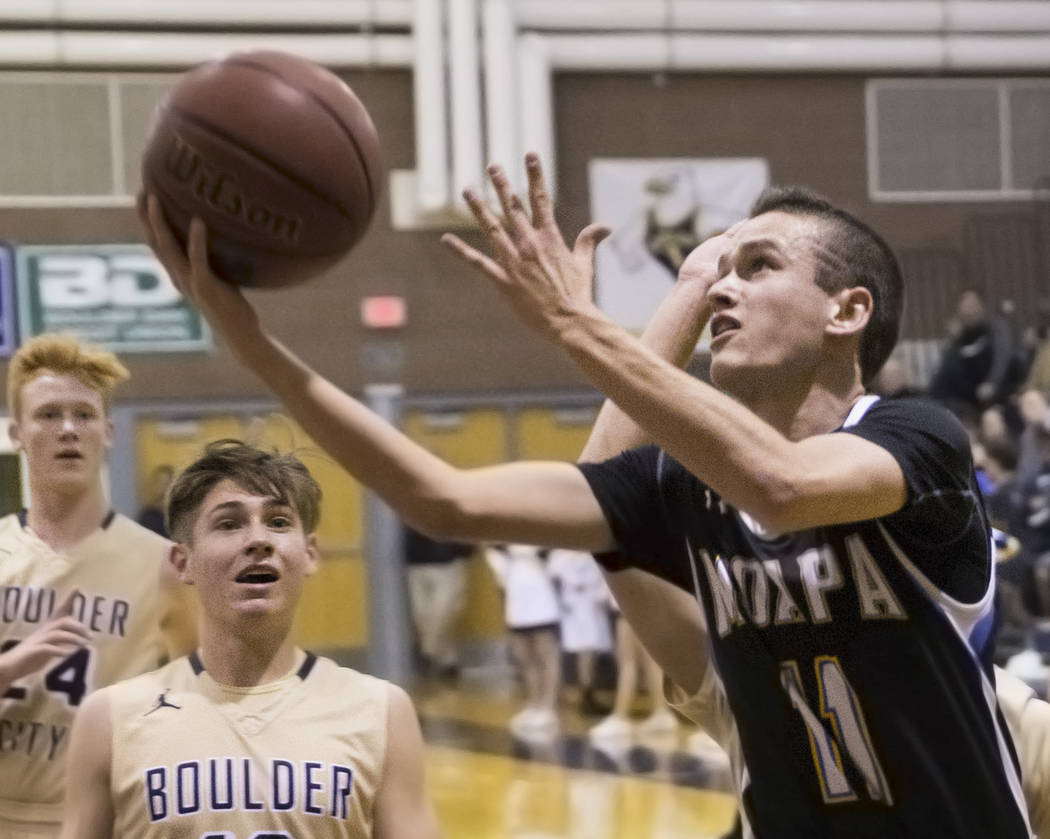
[
  {"x": 537, "y": 503},
  {"x": 745, "y": 446},
  {"x": 89, "y": 808},
  {"x": 403, "y": 809}
]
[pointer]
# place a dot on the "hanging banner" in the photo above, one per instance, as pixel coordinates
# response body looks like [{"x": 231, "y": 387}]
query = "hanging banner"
[
  {"x": 116, "y": 296},
  {"x": 659, "y": 210},
  {"x": 8, "y": 341}
]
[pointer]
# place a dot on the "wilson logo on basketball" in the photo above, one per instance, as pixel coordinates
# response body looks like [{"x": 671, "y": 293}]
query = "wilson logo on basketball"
[{"x": 220, "y": 191}]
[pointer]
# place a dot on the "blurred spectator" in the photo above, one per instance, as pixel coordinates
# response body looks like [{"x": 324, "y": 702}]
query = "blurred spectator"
[
  {"x": 437, "y": 589},
  {"x": 1034, "y": 410},
  {"x": 532, "y": 613},
  {"x": 151, "y": 515},
  {"x": 585, "y": 625},
  {"x": 992, "y": 425},
  {"x": 1035, "y": 492},
  {"x": 1039, "y": 369},
  {"x": 1005, "y": 504},
  {"x": 981, "y": 365},
  {"x": 893, "y": 381},
  {"x": 632, "y": 657}
]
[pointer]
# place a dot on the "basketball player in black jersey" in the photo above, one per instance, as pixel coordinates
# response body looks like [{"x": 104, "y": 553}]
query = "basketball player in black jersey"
[{"x": 836, "y": 544}]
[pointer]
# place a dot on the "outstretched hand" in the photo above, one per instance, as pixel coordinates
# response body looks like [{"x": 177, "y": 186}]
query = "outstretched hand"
[
  {"x": 220, "y": 302},
  {"x": 544, "y": 280}
]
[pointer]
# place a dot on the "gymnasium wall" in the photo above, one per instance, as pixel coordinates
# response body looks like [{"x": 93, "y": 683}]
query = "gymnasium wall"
[{"x": 461, "y": 338}]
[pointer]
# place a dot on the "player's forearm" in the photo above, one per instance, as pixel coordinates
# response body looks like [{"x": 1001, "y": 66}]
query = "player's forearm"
[
  {"x": 672, "y": 334},
  {"x": 406, "y": 475},
  {"x": 748, "y": 462}
]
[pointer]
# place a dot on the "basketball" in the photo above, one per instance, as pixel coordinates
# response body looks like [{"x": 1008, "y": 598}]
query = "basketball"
[{"x": 276, "y": 155}]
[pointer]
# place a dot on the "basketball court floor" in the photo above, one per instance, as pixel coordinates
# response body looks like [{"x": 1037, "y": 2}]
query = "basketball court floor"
[{"x": 487, "y": 784}]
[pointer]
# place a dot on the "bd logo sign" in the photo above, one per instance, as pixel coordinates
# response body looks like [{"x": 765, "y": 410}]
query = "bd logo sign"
[
  {"x": 118, "y": 296},
  {"x": 89, "y": 281}
]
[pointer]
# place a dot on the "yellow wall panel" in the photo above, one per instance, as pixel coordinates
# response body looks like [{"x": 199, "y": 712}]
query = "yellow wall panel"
[
  {"x": 177, "y": 442},
  {"x": 333, "y": 613},
  {"x": 553, "y": 433},
  {"x": 467, "y": 438}
]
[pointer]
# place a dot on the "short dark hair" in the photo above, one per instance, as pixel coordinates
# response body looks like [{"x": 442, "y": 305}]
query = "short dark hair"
[
  {"x": 861, "y": 258},
  {"x": 266, "y": 473}
]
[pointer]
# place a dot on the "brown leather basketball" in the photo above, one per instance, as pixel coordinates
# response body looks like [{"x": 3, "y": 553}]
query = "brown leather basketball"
[{"x": 276, "y": 155}]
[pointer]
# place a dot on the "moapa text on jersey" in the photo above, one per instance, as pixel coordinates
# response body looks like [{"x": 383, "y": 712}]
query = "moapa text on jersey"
[
  {"x": 761, "y": 595},
  {"x": 34, "y": 604},
  {"x": 228, "y": 784}
]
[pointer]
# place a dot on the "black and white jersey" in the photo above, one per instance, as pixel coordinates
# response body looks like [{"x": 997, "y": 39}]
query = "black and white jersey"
[{"x": 854, "y": 657}]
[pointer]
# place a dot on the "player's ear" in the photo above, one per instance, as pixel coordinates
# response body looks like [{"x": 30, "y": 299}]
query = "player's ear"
[
  {"x": 15, "y": 433},
  {"x": 179, "y": 559},
  {"x": 313, "y": 552},
  {"x": 849, "y": 310}
]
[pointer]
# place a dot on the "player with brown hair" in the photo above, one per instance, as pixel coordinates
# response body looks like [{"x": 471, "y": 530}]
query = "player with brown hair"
[
  {"x": 87, "y": 598},
  {"x": 249, "y": 736}
]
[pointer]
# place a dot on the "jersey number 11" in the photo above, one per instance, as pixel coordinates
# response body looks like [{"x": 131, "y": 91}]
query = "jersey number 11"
[{"x": 836, "y": 726}]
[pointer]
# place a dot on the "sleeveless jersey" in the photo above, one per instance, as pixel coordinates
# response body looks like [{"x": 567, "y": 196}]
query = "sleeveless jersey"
[
  {"x": 117, "y": 570},
  {"x": 300, "y": 758},
  {"x": 854, "y": 658}
]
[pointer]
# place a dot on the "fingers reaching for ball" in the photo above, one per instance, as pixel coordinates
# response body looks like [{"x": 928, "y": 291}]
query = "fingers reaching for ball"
[{"x": 528, "y": 259}]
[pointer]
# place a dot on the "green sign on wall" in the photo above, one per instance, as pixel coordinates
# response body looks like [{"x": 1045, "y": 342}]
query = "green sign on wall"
[{"x": 117, "y": 296}]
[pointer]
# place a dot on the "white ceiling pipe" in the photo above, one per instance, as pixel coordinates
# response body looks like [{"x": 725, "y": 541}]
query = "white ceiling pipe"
[
  {"x": 810, "y": 15},
  {"x": 29, "y": 49},
  {"x": 915, "y": 16},
  {"x": 465, "y": 87},
  {"x": 537, "y": 106},
  {"x": 744, "y": 15},
  {"x": 850, "y": 53},
  {"x": 29, "y": 10},
  {"x": 178, "y": 50},
  {"x": 258, "y": 13},
  {"x": 983, "y": 53},
  {"x": 752, "y": 53},
  {"x": 592, "y": 14},
  {"x": 501, "y": 87},
  {"x": 431, "y": 122},
  {"x": 642, "y": 52},
  {"x": 997, "y": 16}
]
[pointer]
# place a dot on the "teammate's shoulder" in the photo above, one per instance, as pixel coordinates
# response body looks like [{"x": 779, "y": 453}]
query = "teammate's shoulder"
[
  {"x": 10, "y": 524},
  {"x": 126, "y": 527},
  {"x": 329, "y": 673},
  {"x": 329, "y": 668}
]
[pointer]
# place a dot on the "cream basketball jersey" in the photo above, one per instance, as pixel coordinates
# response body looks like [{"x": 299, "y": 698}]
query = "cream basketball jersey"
[
  {"x": 300, "y": 758},
  {"x": 117, "y": 570}
]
